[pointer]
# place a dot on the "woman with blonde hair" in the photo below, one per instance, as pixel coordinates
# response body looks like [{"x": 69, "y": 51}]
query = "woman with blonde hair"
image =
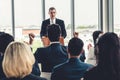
[{"x": 18, "y": 62}]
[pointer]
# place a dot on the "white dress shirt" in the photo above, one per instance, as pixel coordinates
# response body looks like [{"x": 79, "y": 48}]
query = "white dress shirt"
[{"x": 53, "y": 21}]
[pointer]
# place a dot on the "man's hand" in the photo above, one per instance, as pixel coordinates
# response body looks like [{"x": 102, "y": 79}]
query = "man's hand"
[
  {"x": 31, "y": 38},
  {"x": 75, "y": 34}
]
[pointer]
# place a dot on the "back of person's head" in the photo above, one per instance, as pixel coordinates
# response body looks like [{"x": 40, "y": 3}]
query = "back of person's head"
[
  {"x": 5, "y": 39},
  {"x": 75, "y": 46},
  {"x": 96, "y": 35},
  {"x": 54, "y": 32},
  {"x": 108, "y": 51},
  {"x": 18, "y": 60}
]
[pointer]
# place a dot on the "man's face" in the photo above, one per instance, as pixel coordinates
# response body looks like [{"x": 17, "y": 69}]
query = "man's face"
[{"x": 52, "y": 13}]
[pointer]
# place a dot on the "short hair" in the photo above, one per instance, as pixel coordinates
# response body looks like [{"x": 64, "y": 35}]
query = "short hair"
[
  {"x": 75, "y": 46},
  {"x": 54, "y": 32},
  {"x": 51, "y": 8},
  {"x": 5, "y": 39},
  {"x": 18, "y": 60},
  {"x": 109, "y": 53},
  {"x": 96, "y": 35}
]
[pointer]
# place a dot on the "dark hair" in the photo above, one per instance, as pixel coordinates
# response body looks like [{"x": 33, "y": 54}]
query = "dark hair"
[
  {"x": 96, "y": 35},
  {"x": 5, "y": 39},
  {"x": 53, "y": 32},
  {"x": 109, "y": 55},
  {"x": 52, "y": 8},
  {"x": 75, "y": 46}
]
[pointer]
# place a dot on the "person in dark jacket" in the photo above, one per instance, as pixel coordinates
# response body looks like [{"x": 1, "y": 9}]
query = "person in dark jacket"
[
  {"x": 5, "y": 39},
  {"x": 55, "y": 53},
  {"x": 18, "y": 62},
  {"x": 74, "y": 68},
  {"x": 52, "y": 20}
]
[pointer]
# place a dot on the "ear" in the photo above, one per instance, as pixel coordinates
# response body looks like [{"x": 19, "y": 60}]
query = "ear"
[{"x": 48, "y": 12}]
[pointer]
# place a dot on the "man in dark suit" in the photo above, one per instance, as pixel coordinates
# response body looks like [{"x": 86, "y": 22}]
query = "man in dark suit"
[
  {"x": 52, "y": 20},
  {"x": 55, "y": 53},
  {"x": 73, "y": 69}
]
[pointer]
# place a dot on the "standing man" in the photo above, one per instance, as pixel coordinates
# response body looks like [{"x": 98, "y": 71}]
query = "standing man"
[{"x": 52, "y": 20}]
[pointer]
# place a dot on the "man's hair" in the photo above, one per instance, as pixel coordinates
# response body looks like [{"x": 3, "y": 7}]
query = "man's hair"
[
  {"x": 52, "y": 8},
  {"x": 5, "y": 39},
  {"x": 75, "y": 46},
  {"x": 18, "y": 60},
  {"x": 53, "y": 32}
]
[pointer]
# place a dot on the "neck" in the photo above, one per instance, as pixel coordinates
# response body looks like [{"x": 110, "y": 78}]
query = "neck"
[{"x": 52, "y": 18}]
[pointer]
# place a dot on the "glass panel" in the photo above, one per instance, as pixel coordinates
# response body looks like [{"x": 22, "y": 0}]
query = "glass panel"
[
  {"x": 27, "y": 20},
  {"x": 117, "y": 16},
  {"x": 5, "y": 16},
  {"x": 86, "y": 19},
  {"x": 63, "y": 12}
]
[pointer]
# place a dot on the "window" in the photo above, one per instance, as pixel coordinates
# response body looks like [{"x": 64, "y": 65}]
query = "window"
[
  {"x": 117, "y": 16},
  {"x": 27, "y": 20},
  {"x": 5, "y": 16},
  {"x": 86, "y": 19}
]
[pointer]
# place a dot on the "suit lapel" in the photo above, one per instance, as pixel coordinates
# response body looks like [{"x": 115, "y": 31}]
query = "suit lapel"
[
  {"x": 49, "y": 21},
  {"x": 56, "y": 21}
]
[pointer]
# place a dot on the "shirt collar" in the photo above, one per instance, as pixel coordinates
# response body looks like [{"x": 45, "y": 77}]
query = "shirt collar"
[
  {"x": 54, "y": 42},
  {"x": 54, "y": 21}
]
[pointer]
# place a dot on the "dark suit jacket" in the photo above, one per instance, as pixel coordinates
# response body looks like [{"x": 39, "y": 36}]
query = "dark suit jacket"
[
  {"x": 73, "y": 69},
  {"x": 45, "y": 23},
  {"x": 51, "y": 56},
  {"x": 29, "y": 77}
]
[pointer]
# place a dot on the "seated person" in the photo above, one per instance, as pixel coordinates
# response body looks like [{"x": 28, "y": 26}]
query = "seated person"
[
  {"x": 55, "y": 53},
  {"x": 74, "y": 68},
  {"x": 91, "y": 59},
  {"x": 108, "y": 59},
  {"x": 5, "y": 39},
  {"x": 18, "y": 62},
  {"x": 82, "y": 55}
]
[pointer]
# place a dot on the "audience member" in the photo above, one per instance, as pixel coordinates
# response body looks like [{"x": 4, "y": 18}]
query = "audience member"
[
  {"x": 55, "y": 53},
  {"x": 18, "y": 62},
  {"x": 5, "y": 39},
  {"x": 91, "y": 59},
  {"x": 82, "y": 55},
  {"x": 74, "y": 68},
  {"x": 108, "y": 59}
]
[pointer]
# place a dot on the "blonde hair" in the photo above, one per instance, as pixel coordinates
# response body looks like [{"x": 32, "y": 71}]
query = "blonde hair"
[{"x": 18, "y": 60}]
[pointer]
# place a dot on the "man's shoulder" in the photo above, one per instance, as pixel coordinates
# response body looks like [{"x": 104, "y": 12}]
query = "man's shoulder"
[
  {"x": 46, "y": 20},
  {"x": 60, "y": 66},
  {"x": 59, "y": 19},
  {"x": 42, "y": 49},
  {"x": 86, "y": 66}
]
